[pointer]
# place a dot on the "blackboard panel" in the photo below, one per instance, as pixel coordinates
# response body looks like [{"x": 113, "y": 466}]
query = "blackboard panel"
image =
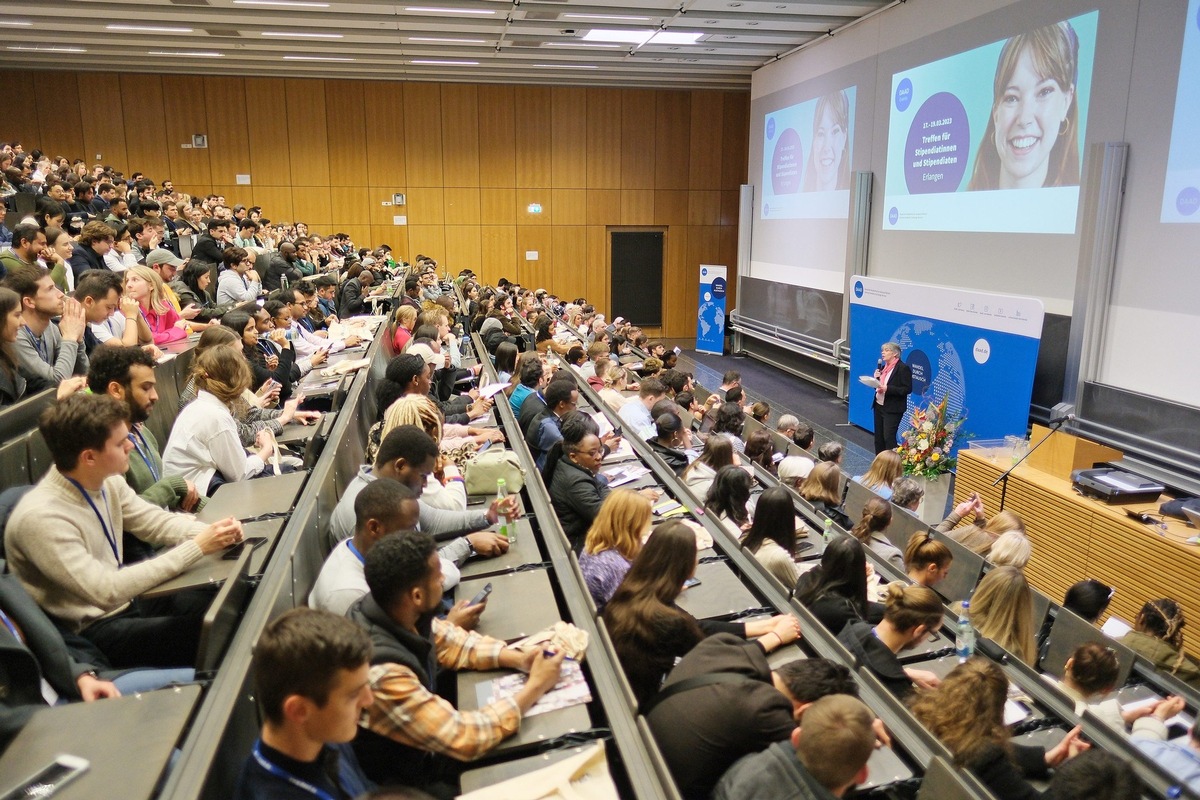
[{"x": 636, "y": 269}]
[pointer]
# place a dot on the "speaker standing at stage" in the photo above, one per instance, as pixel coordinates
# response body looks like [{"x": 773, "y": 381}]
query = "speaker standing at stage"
[{"x": 891, "y": 398}]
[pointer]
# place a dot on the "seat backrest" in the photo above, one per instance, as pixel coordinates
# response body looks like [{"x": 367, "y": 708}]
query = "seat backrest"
[
  {"x": 857, "y": 496},
  {"x": 39, "y": 457},
  {"x": 943, "y": 782},
  {"x": 904, "y": 524},
  {"x": 14, "y": 463},
  {"x": 1071, "y": 630},
  {"x": 965, "y": 571}
]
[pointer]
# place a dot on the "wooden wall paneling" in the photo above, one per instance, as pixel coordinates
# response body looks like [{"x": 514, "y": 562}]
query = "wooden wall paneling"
[
  {"x": 395, "y": 236},
  {"x": 680, "y": 284},
  {"x": 568, "y": 274},
  {"x": 429, "y": 240},
  {"x": 704, "y": 208},
  {"x": 637, "y": 207},
  {"x": 146, "y": 143},
  {"x": 464, "y": 248},
  {"x": 707, "y": 140},
  {"x": 498, "y": 206},
  {"x": 540, "y": 272},
  {"x": 25, "y": 128},
  {"x": 228, "y": 140},
  {"x": 268, "y": 136},
  {"x": 497, "y": 113},
  {"x": 314, "y": 206},
  {"x": 423, "y": 134},
  {"x": 426, "y": 206},
  {"x": 346, "y": 124},
  {"x": 526, "y": 196},
  {"x": 735, "y": 139},
  {"x": 104, "y": 132},
  {"x": 533, "y": 138},
  {"x": 498, "y": 257},
  {"x": 570, "y": 206},
  {"x": 603, "y": 207},
  {"x": 728, "y": 257},
  {"x": 60, "y": 118},
  {"x": 670, "y": 207},
  {"x": 703, "y": 247},
  {"x": 672, "y": 148},
  {"x": 637, "y": 138},
  {"x": 462, "y": 206},
  {"x": 360, "y": 235},
  {"x": 383, "y": 103},
  {"x": 377, "y": 212},
  {"x": 603, "y": 150},
  {"x": 730, "y": 206},
  {"x": 308, "y": 131},
  {"x": 351, "y": 205},
  {"x": 235, "y": 195},
  {"x": 185, "y": 114},
  {"x": 276, "y": 202},
  {"x": 598, "y": 271},
  {"x": 568, "y": 130},
  {"x": 460, "y": 135},
  {"x": 1059, "y": 534}
]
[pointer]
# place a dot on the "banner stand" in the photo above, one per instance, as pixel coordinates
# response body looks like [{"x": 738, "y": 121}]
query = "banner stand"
[{"x": 710, "y": 316}]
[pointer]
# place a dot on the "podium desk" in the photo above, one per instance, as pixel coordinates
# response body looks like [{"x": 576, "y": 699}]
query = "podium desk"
[
  {"x": 127, "y": 740},
  {"x": 274, "y": 494},
  {"x": 536, "y": 729},
  {"x": 525, "y": 551},
  {"x": 521, "y": 603},
  {"x": 1077, "y": 537}
]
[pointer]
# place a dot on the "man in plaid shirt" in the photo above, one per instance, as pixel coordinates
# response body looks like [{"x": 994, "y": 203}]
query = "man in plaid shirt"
[{"x": 409, "y": 729}]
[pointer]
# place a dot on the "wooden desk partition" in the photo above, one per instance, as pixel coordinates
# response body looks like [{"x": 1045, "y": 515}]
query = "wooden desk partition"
[
  {"x": 1064, "y": 453},
  {"x": 1076, "y": 537}
]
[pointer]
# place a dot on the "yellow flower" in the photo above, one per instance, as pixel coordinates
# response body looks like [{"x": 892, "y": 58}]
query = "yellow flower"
[{"x": 934, "y": 457}]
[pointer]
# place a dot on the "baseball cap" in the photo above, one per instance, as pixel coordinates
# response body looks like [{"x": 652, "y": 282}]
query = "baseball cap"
[
  {"x": 427, "y": 355},
  {"x": 161, "y": 255}
]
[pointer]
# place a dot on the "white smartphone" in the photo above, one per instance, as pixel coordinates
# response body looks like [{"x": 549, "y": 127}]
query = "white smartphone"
[{"x": 48, "y": 780}]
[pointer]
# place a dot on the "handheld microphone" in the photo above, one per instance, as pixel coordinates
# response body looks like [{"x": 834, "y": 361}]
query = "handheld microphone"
[
  {"x": 1062, "y": 419},
  {"x": 879, "y": 364}
]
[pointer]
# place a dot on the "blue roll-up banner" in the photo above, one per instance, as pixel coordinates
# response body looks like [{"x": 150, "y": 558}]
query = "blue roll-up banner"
[
  {"x": 710, "y": 318},
  {"x": 977, "y": 349}
]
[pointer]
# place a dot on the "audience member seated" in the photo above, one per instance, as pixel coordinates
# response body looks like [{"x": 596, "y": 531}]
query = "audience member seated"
[
  {"x": 828, "y": 752},
  {"x": 636, "y": 412},
  {"x": 910, "y": 613},
  {"x": 831, "y": 452},
  {"x": 238, "y": 282},
  {"x": 506, "y": 362},
  {"x": 1094, "y": 775},
  {"x": 204, "y": 446},
  {"x": 797, "y": 432},
  {"x": 649, "y": 631},
  {"x": 62, "y": 542},
  {"x": 670, "y": 441},
  {"x": 545, "y": 328},
  {"x": 1157, "y": 636},
  {"x": 727, "y": 498},
  {"x": 884, "y": 471},
  {"x": 760, "y": 449},
  {"x": 759, "y": 412},
  {"x": 571, "y": 476},
  {"x": 926, "y": 560},
  {"x": 823, "y": 488},
  {"x": 907, "y": 493},
  {"x": 876, "y": 517},
  {"x": 311, "y": 679},
  {"x": 266, "y": 363},
  {"x": 836, "y": 591},
  {"x": 47, "y": 354},
  {"x": 531, "y": 376},
  {"x": 144, "y": 285},
  {"x": 613, "y": 541},
  {"x": 1089, "y": 599},
  {"x": 772, "y": 535},
  {"x": 545, "y": 430},
  {"x": 1179, "y": 759},
  {"x": 1002, "y": 610},
  {"x": 1090, "y": 676},
  {"x": 979, "y": 537},
  {"x": 99, "y": 293},
  {"x": 730, "y": 420},
  {"x": 717, "y": 454},
  {"x": 967, "y": 714},
  {"x": 1011, "y": 549},
  {"x": 535, "y": 402},
  {"x": 413, "y": 735}
]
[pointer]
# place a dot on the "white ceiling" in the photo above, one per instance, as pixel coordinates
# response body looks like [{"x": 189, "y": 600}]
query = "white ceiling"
[{"x": 503, "y": 41}]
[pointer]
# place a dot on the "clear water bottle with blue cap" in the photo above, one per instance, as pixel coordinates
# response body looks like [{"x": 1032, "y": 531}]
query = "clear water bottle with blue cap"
[{"x": 964, "y": 640}]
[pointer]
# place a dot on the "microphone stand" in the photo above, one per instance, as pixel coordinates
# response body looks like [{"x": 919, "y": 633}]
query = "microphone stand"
[{"x": 1054, "y": 426}]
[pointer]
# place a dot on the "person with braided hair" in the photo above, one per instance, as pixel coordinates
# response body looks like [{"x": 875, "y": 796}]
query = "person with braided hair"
[{"x": 1158, "y": 636}]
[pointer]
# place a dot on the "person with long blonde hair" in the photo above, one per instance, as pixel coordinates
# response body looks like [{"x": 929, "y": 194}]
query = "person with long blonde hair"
[
  {"x": 884, "y": 470},
  {"x": 823, "y": 488},
  {"x": 144, "y": 285},
  {"x": 1002, "y": 610},
  {"x": 966, "y": 712},
  {"x": 613, "y": 541}
]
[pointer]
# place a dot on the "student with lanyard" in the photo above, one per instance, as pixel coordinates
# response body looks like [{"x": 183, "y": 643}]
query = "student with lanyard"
[
  {"x": 47, "y": 354},
  {"x": 238, "y": 282},
  {"x": 311, "y": 679},
  {"x": 62, "y": 542}
]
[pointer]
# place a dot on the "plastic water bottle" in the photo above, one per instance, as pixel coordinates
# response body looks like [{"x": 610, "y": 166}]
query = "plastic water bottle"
[
  {"x": 964, "y": 640},
  {"x": 828, "y": 535},
  {"x": 507, "y": 529}
]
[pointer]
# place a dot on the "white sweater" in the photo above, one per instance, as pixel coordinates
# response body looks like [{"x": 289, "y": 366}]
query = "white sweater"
[{"x": 204, "y": 440}]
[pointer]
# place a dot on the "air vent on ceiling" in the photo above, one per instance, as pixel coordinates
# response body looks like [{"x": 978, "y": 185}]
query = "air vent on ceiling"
[
  {"x": 524, "y": 43},
  {"x": 549, "y": 16},
  {"x": 223, "y": 33}
]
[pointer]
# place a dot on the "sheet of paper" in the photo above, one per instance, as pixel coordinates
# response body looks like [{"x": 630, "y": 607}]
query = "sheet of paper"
[
  {"x": 868, "y": 380},
  {"x": 602, "y": 422},
  {"x": 492, "y": 389},
  {"x": 624, "y": 450},
  {"x": 1013, "y": 713},
  {"x": 571, "y": 690},
  {"x": 1116, "y": 627}
]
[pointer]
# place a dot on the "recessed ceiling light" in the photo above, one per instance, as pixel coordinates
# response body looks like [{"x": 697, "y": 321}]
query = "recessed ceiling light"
[
  {"x": 439, "y": 63},
  {"x": 40, "y": 49},
  {"x": 605, "y": 16},
  {"x": 316, "y": 58},
  {"x": 567, "y": 66},
  {"x": 617, "y": 35},
  {"x": 589, "y": 45},
  {"x": 188, "y": 53},
  {"x": 16, "y": 23},
  {"x": 446, "y": 40},
  {"x": 302, "y": 35},
  {"x": 675, "y": 37},
  {"x": 286, "y": 3},
  {"x": 431, "y": 10},
  {"x": 147, "y": 29}
]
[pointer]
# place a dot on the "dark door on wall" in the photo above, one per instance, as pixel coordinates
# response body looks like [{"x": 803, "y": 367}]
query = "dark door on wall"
[{"x": 636, "y": 270}]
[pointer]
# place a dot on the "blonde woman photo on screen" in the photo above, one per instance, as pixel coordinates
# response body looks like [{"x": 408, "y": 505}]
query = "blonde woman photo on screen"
[{"x": 828, "y": 166}]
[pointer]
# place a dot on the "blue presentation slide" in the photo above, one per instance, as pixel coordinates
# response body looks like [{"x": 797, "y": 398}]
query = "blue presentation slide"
[
  {"x": 992, "y": 139},
  {"x": 806, "y": 158},
  {"x": 1181, "y": 191},
  {"x": 978, "y": 350}
]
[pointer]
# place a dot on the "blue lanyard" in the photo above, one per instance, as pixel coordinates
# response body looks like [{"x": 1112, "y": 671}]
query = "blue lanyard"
[
  {"x": 143, "y": 449},
  {"x": 353, "y": 549},
  {"x": 38, "y": 342},
  {"x": 8, "y": 623},
  {"x": 280, "y": 772},
  {"x": 112, "y": 540}
]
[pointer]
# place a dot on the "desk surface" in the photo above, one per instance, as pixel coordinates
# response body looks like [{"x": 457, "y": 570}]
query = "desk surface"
[
  {"x": 137, "y": 734},
  {"x": 213, "y": 569},
  {"x": 522, "y": 603},
  {"x": 525, "y": 551},
  {"x": 536, "y": 729},
  {"x": 275, "y": 494},
  {"x": 720, "y": 593},
  {"x": 489, "y": 776}
]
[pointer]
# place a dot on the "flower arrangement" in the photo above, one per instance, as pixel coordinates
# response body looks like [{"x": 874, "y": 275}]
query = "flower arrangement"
[{"x": 926, "y": 447}]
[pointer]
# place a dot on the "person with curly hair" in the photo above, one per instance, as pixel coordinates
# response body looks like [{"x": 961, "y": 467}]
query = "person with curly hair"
[{"x": 1158, "y": 636}]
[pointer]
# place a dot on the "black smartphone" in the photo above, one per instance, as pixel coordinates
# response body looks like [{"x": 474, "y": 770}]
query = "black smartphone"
[
  {"x": 235, "y": 552},
  {"x": 483, "y": 595}
]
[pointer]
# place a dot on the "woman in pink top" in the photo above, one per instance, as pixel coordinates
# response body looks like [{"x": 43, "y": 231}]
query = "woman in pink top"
[{"x": 144, "y": 285}]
